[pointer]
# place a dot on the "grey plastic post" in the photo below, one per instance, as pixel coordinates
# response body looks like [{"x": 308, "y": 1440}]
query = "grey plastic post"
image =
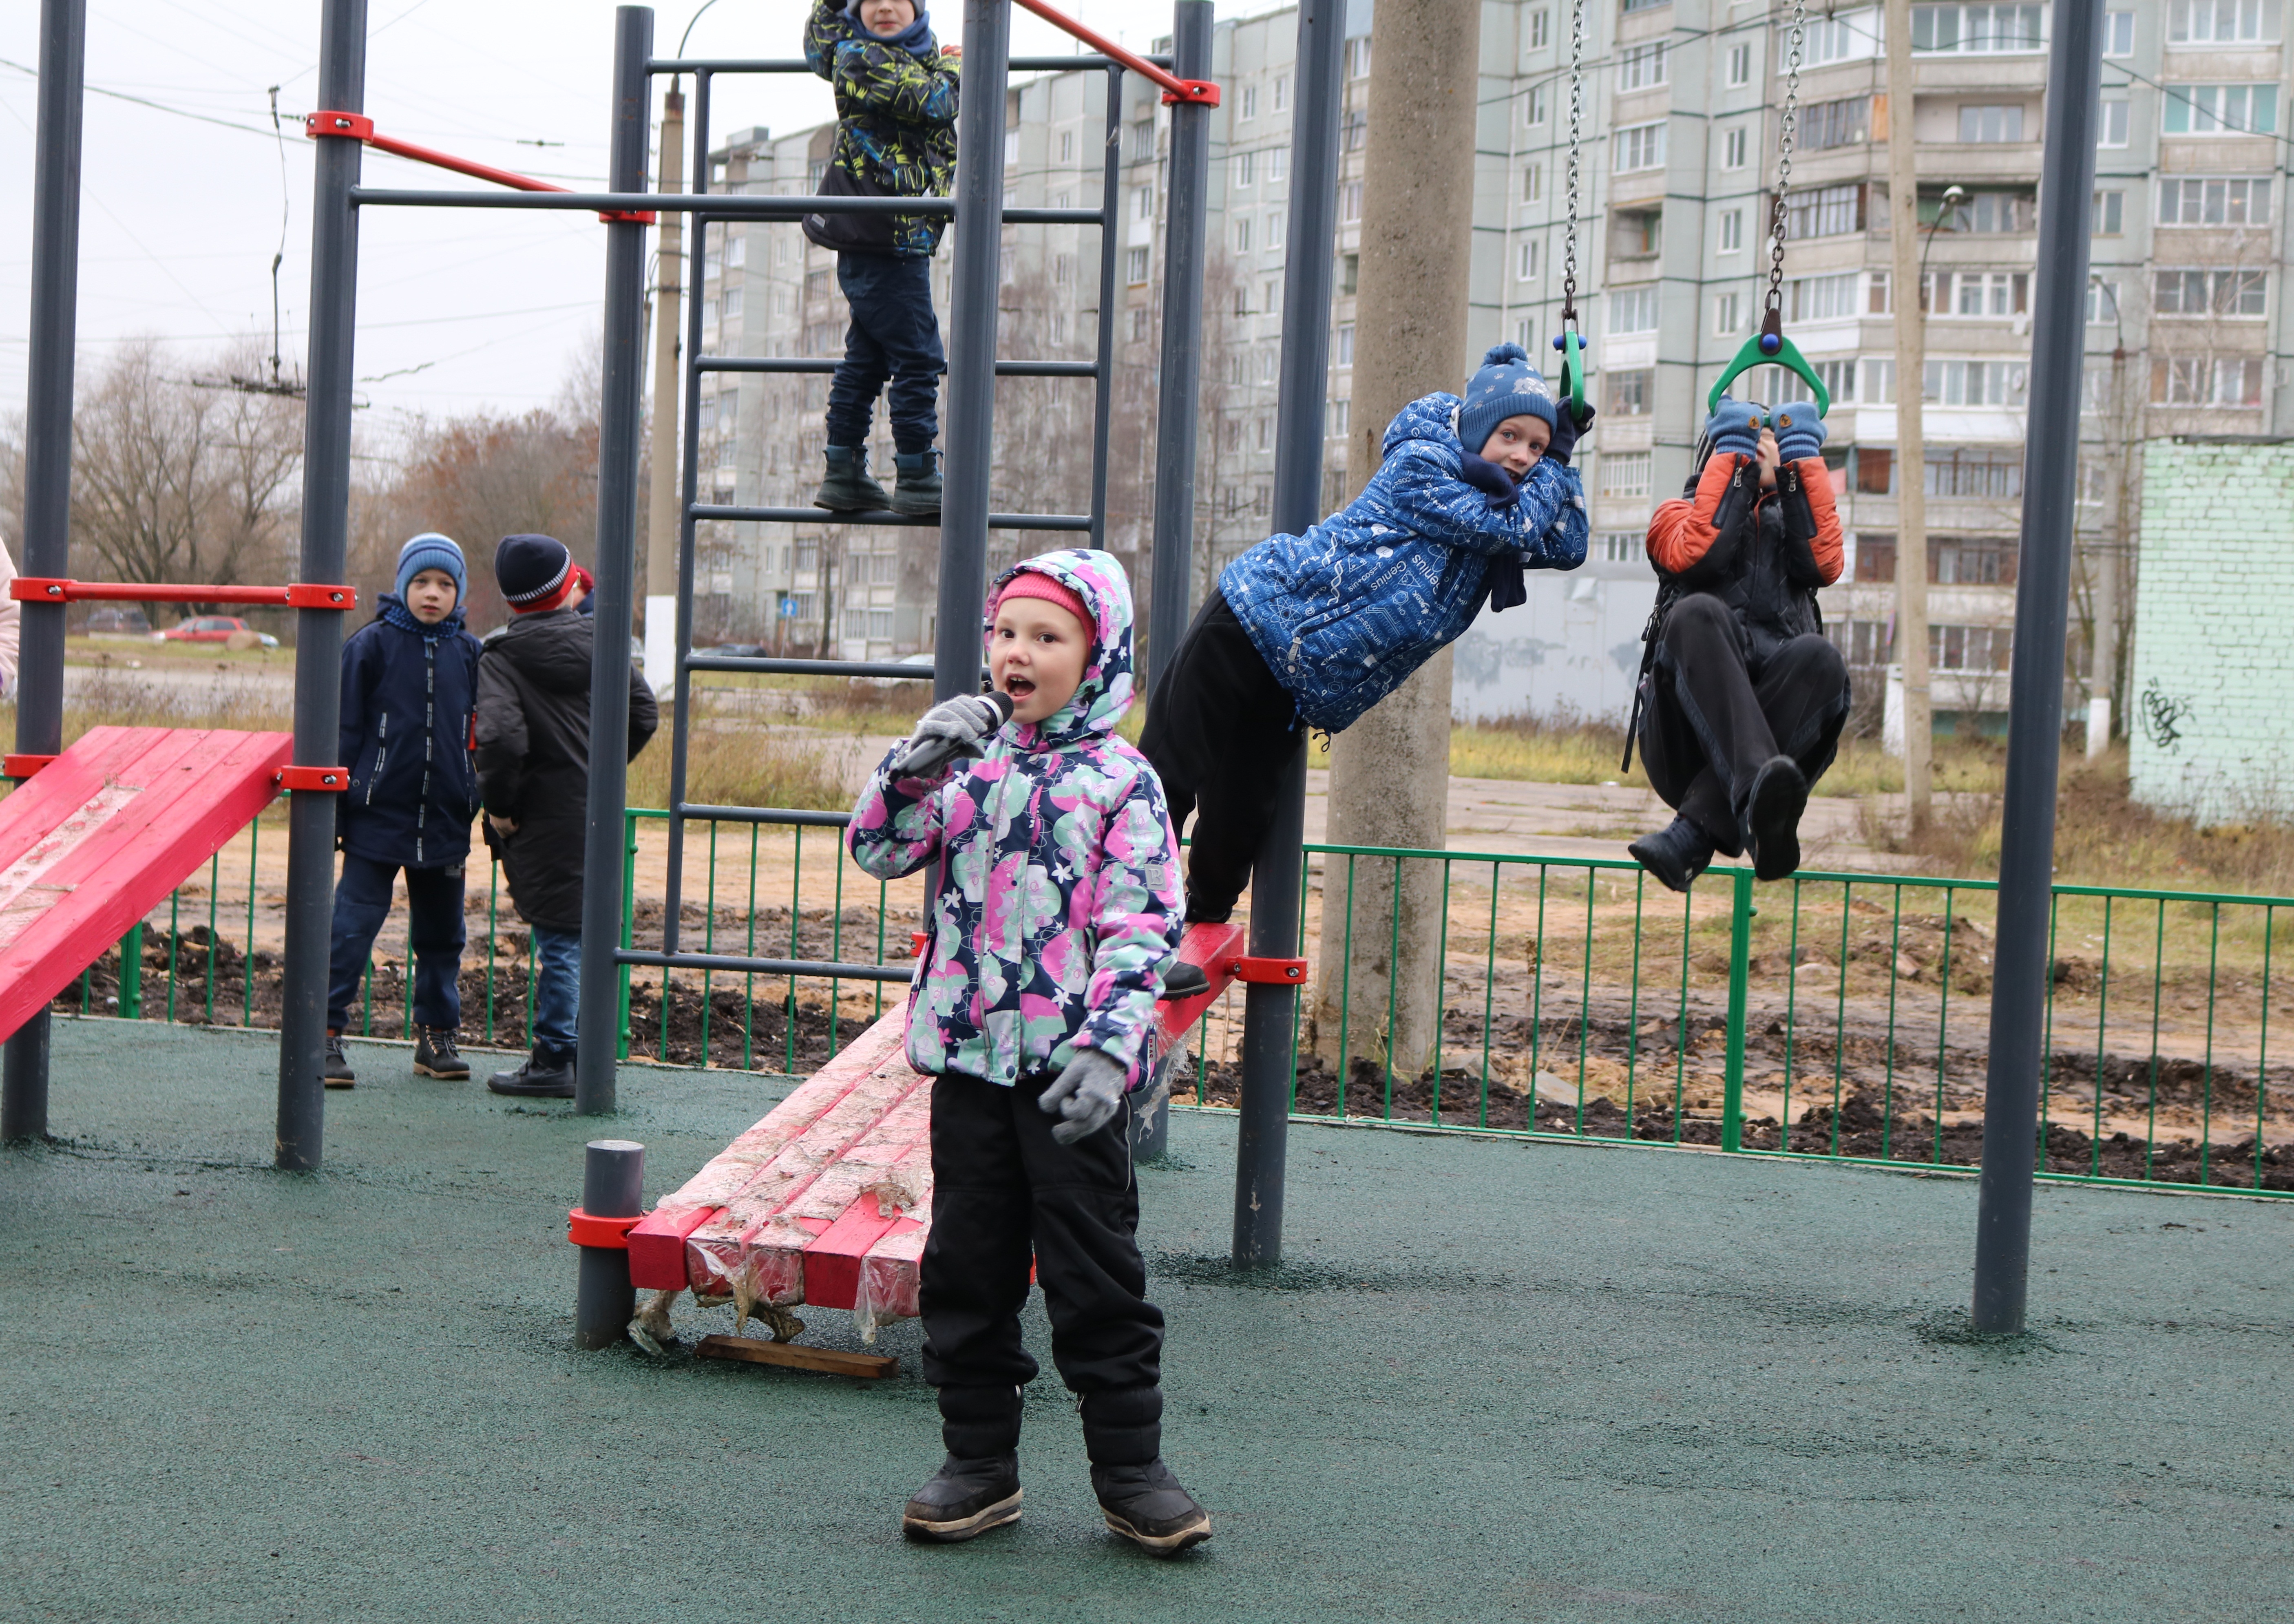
[
  {"x": 329, "y": 378},
  {"x": 2035, "y": 702},
  {"x": 969, "y": 407},
  {"x": 1178, "y": 399},
  {"x": 612, "y": 1186},
  {"x": 47, "y": 468},
  {"x": 620, "y": 433},
  {"x": 1269, "y": 1008}
]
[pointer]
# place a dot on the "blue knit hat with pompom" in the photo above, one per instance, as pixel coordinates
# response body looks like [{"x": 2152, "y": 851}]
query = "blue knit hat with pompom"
[{"x": 1507, "y": 386}]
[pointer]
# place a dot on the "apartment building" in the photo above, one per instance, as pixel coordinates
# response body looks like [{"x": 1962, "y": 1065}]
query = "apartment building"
[{"x": 1676, "y": 156}]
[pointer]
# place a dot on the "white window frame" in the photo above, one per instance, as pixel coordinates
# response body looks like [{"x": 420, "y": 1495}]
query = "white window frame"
[
  {"x": 1732, "y": 231},
  {"x": 1638, "y": 147}
]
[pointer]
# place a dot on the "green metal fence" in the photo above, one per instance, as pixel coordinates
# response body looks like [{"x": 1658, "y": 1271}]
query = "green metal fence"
[{"x": 1840, "y": 1016}]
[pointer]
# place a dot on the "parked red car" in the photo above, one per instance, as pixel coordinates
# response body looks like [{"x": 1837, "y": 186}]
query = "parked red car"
[{"x": 215, "y": 629}]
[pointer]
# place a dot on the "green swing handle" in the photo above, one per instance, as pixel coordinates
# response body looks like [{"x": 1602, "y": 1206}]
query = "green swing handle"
[
  {"x": 1572, "y": 372},
  {"x": 1770, "y": 345}
]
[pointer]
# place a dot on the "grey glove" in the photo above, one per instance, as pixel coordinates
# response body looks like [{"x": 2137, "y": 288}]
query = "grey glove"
[
  {"x": 1087, "y": 1093},
  {"x": 958, "y": 726}
]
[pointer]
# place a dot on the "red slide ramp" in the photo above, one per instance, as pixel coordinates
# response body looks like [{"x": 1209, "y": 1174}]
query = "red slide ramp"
[{"x": 100, "y": 835}]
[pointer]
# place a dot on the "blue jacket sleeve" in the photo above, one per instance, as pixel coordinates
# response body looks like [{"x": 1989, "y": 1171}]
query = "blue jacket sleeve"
[
  {"x": 1429, "y": 499},
  {"x": 1553, "y": 502},
  {"x": 1137, "y": 912}
]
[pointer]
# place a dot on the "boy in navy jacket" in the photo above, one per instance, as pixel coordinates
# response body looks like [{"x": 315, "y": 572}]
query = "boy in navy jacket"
[{"x": 410, "y": 684}]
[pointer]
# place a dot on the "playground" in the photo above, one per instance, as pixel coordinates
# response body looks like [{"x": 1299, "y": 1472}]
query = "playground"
[{"x": 1583, "y": 1385}]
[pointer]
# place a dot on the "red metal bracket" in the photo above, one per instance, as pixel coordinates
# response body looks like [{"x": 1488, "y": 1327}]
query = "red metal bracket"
[
  {"x": 20, "y": 767},
  {"x": 333, "y": 780},
  {"x": 314, "y": 595},
  {"x": 1280, "y": 971},
  {"x": 1192, "y": 92},
  {"x": 40, "y": 590},
  {"x": 916, "y": 941},
  {"x": 297, "y": 595},
  {"x": 358, "y": 126},
  {"x": 587, "y": 1230}
]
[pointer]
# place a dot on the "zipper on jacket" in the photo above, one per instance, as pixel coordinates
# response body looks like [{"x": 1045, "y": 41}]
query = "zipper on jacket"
[{"x": 381, "y": 748}]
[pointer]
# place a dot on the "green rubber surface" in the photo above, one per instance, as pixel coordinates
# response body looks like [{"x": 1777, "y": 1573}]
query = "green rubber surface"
[{"x": 1496, "y": 1380}]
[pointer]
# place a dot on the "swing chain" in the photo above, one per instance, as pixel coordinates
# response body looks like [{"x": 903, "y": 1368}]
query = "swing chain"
[
  {"x": 1577, "y": 121},
  {"x": 1787, "y": 128}
]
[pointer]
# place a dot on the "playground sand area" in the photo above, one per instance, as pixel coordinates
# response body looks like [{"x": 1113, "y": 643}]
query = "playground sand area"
[{"x": 1494, "y": 1378}]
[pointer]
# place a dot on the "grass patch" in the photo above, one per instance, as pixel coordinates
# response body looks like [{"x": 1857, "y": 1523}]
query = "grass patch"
[{"x": 735, "y": 765}]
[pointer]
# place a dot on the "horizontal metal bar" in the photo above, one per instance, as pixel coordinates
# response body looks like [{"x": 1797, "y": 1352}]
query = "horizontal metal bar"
[
  {"x": 821, "y": 364},
  {"x": 821, "y": 516},
  {"x": 2221, "y": 897},
  {"x": 773, "y": 665},
  {"x": 797, "y": 64},
  {"x": 725, "y": 206},
  {"x": 1054, "y": 216},
  {"x": 698, "y": 814},
  {"x": 824, "y": 969}
]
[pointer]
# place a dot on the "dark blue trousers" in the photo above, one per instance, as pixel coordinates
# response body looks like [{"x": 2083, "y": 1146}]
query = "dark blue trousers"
[
  {"x": 894, "y": 335},
  {"x": 433, "y": 898}
]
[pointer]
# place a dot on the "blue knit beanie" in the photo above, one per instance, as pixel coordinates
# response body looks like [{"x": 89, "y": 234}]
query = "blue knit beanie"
[
  {"x": 1507, "y": 386},
  {"x": 432, "y": 551}
]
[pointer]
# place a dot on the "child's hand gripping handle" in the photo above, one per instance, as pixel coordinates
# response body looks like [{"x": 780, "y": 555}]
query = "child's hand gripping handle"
[{"x": 954, "y": 727}]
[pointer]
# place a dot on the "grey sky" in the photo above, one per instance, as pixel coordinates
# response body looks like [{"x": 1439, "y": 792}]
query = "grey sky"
[{"x": 459, "y": 310}]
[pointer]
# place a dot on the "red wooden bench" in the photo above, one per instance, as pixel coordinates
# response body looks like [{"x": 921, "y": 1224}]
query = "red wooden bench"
[{"x": 98, "y": 837}]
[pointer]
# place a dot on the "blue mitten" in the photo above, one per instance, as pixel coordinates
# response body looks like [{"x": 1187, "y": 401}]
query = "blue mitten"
[
  {"x": 1799, "y": 432},
  {"x": 1735, "y": 425}
]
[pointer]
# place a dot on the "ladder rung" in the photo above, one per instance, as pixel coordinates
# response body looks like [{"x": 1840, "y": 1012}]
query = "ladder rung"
[
  {"x": 818, "y": 365},
  {"x": 773, "y": 665},
  {"x": 821, "y": 516},
  {"x": 826, "y": 970},
  {"x": 693, "y": 812}
]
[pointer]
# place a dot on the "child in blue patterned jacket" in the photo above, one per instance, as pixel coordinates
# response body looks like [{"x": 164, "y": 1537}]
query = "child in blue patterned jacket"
[{"x": 1314, "y": 629}]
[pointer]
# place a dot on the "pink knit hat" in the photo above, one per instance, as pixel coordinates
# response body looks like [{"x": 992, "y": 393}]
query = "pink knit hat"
[{"x": 1035, "y": 584}]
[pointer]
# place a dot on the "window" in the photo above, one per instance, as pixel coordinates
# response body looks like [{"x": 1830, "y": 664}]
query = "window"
[
  {"x": 1143, "y": 141},
  {"x": 1879, "y": 390},
  {"x": 1242, "y": 235},
  {"x": 2221, "y": 22},
  {"x": 1249, "y": 108},
  {"x": 1358, "y": 57},
  {"x": 1278, "y": 165},
  {"x": 2119, "y": 32},
  {"x": 1270, "y": 299},
  {"x": 1732, "y": 149},
  {"x": 1242, "y": 298},
  {"x": 1342, "y": 349},
  {"x": 1525, "y": 260},
  {"x": 1987, "y": 211},
  {"x": 1727, "y": 315},
  {"x": 1620, "y": 545},
  {"x": 2208, "y": 293},
  {"x": 816, "y": 284},
  {"x": 2207, "y": 381},
  {"x": 736, "y": 250},
  {"x": 1533, "y": 183},
  {"x": 1976, "y": 293},
  {"x": 1278, "y": 225},
  {"x": 808, "y": 557},
  {"x": 1876, "y": 470},
  {"x": 1242, "y": 167},
  {"x": 1627, "y": 393},
  {"x": 2110, "y": 213},
  {"x": 1976, "y": 383},
  {"x": 1876, "y": 560},
  {"x": 2111, "y": 127},
  {"x": 1063, "y": 270},
  {"x": 1974, "y": 561},
  {"x": 1845, "y": 123},
  {"x": 2213, "y": 202},
  {"x": 1541, "y": 29},
  {"x": 1353, "y": 132},
  {"x": 1005, "y": 267},
  {"x": 1992, "y": 122},
  {"x": 1067, "y": 145},
  {"x": 732, "y": 305},
  {"x": 1633, "y": 310},
  {"x": 1978, "y": 28},
  {"x": 1265, "y": 435},
  {"x": 1822, "y": 298},
  {"x": 1143, "y": 202},
  {"x": 1536, "y": 106},
  {"x": 1839, "y": 379},
  {"x": 1525, "y": 333},
  {"x": 1740, "y": 65},
  {"x": 1642, "y": 5},
  {"x": 1640, "y": 147},
  {"x": 1337, "y": 418},
  {"x": 1847, "y": 37},
  {"x": 1010, "y": 148},
  {"x": 2102, "y": 300},
  {"x": 1625, "y": 474},
  {"x": 1826, "y": 211},
  {"x": 1282, "y": 91},
  {"x": 1350, "y": 201},
  {"x": 1876, "y": 302},
  {"x": 2214, "y": 109},
  {"x": 1981, "y": 471},
  {"x": 1134, "y": 266},
  {"x": 1641, "y": 67},
  {"x": 1732, "y": 231},
  {"x": 1639, "y": 233},
  {"x": 1350, "y": 266},
  {"x": 1139, "y": 324},
  {"x": 1970, "y": 648}
]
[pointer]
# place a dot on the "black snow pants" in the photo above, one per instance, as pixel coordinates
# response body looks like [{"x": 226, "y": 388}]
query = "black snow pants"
[{"x": 1714, "y": 717}]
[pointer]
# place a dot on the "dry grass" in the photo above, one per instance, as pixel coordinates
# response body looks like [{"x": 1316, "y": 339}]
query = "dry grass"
[
  {"x": 1561, "y": 748},
  {"x": 746, "y": 765}
]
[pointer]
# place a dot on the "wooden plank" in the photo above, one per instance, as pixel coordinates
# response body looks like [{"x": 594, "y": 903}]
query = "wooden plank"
[
  {"x": 886, "y": 1177},
  {"x": 34, "y": 807},
  {"x": 657, "y": 1248},
  {"x": 106, "y": 863},
  {"x": 794, "y": 1356}
]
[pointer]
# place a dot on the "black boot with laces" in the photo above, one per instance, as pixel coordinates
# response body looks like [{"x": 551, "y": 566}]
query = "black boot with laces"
[{"x": 435, "y": 1056}]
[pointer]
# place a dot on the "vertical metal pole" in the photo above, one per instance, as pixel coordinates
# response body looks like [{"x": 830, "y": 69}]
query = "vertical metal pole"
[
  {"x": 612, "y": 1186},
  {"x": 970, "y": 408},
  {"x": 1177, "y": 398},
  {"x": 318, "y": 632},
  {"x": 47, "y": 468},
  {"x": 1740, "y": 968},
  {"x": 1275, "y": 876},
  {"x": 1110, "y": 219},
  {"x": 2035, "y": 702},
  {"x": 619, "y": 435}
]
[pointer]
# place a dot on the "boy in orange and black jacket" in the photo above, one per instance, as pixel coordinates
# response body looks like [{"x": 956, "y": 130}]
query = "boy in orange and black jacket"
[{"x": 1741, "y": 697}]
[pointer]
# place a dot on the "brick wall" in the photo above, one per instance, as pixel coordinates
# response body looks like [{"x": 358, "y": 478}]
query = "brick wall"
[{"x": 2212, "y": 710}]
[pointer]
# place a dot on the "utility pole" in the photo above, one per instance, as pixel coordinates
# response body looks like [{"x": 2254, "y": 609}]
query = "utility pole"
[
  {"x": 1917, "y": 718},
  {"x": 1390, "y": 771},
  {"x": 663, "y": 505}
]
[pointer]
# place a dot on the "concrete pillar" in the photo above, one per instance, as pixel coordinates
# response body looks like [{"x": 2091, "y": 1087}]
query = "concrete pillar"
[
  {"x": 662, "y": 499},
  {"x": 1390, "y": 771},
  {"x": 1917, "y": 726}
]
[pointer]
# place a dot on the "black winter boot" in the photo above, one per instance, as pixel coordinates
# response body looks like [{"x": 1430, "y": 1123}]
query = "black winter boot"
[
  {"x": 916, "y": 490},
  {"x": 1771, "y": 818},
  {"x": 1142, "y": 1500},
  {"x": 1675, "y": 854},
  {"x": 978, "y": 1487},
  {"x": 1184, "y": 980},
  {"x": 546, "y": 1074},
  {"x": 848, "y": 489},
  {"x": 337, "y": 1071},
  {"x": 435, "y": 1056}
]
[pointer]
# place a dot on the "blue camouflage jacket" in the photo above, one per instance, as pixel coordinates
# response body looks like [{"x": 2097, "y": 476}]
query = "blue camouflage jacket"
[{"x": 1343, "y": 614}]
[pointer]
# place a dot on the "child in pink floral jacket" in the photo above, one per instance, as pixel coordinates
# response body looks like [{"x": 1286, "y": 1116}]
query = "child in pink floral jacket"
[{"x": 1058, "y": 903}]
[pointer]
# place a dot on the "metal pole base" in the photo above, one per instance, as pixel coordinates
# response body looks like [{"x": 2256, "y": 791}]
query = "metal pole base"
[
  {"x": 24, "y": 1095},
  {"x": 612, "y": 1186},
  {"x": 1150, "y": 1130}
]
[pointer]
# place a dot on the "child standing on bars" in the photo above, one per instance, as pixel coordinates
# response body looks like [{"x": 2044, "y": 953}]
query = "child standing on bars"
[{"x": 1034, "y": 1004}]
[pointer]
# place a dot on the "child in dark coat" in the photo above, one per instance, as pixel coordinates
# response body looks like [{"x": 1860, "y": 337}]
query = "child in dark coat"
[
  {"x": 896, "y": 101},
  {"x": 1311, "y": 631},
  {"x": 533, "y": 774},
  {"x": 410, "y": 681}
]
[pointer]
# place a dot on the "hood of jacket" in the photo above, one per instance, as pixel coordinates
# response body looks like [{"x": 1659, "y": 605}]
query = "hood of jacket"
[
  {"x": 551, "y": 650},
  {"x": 1432, "y": 418},
  {"x": 1103, "y": 697}
]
